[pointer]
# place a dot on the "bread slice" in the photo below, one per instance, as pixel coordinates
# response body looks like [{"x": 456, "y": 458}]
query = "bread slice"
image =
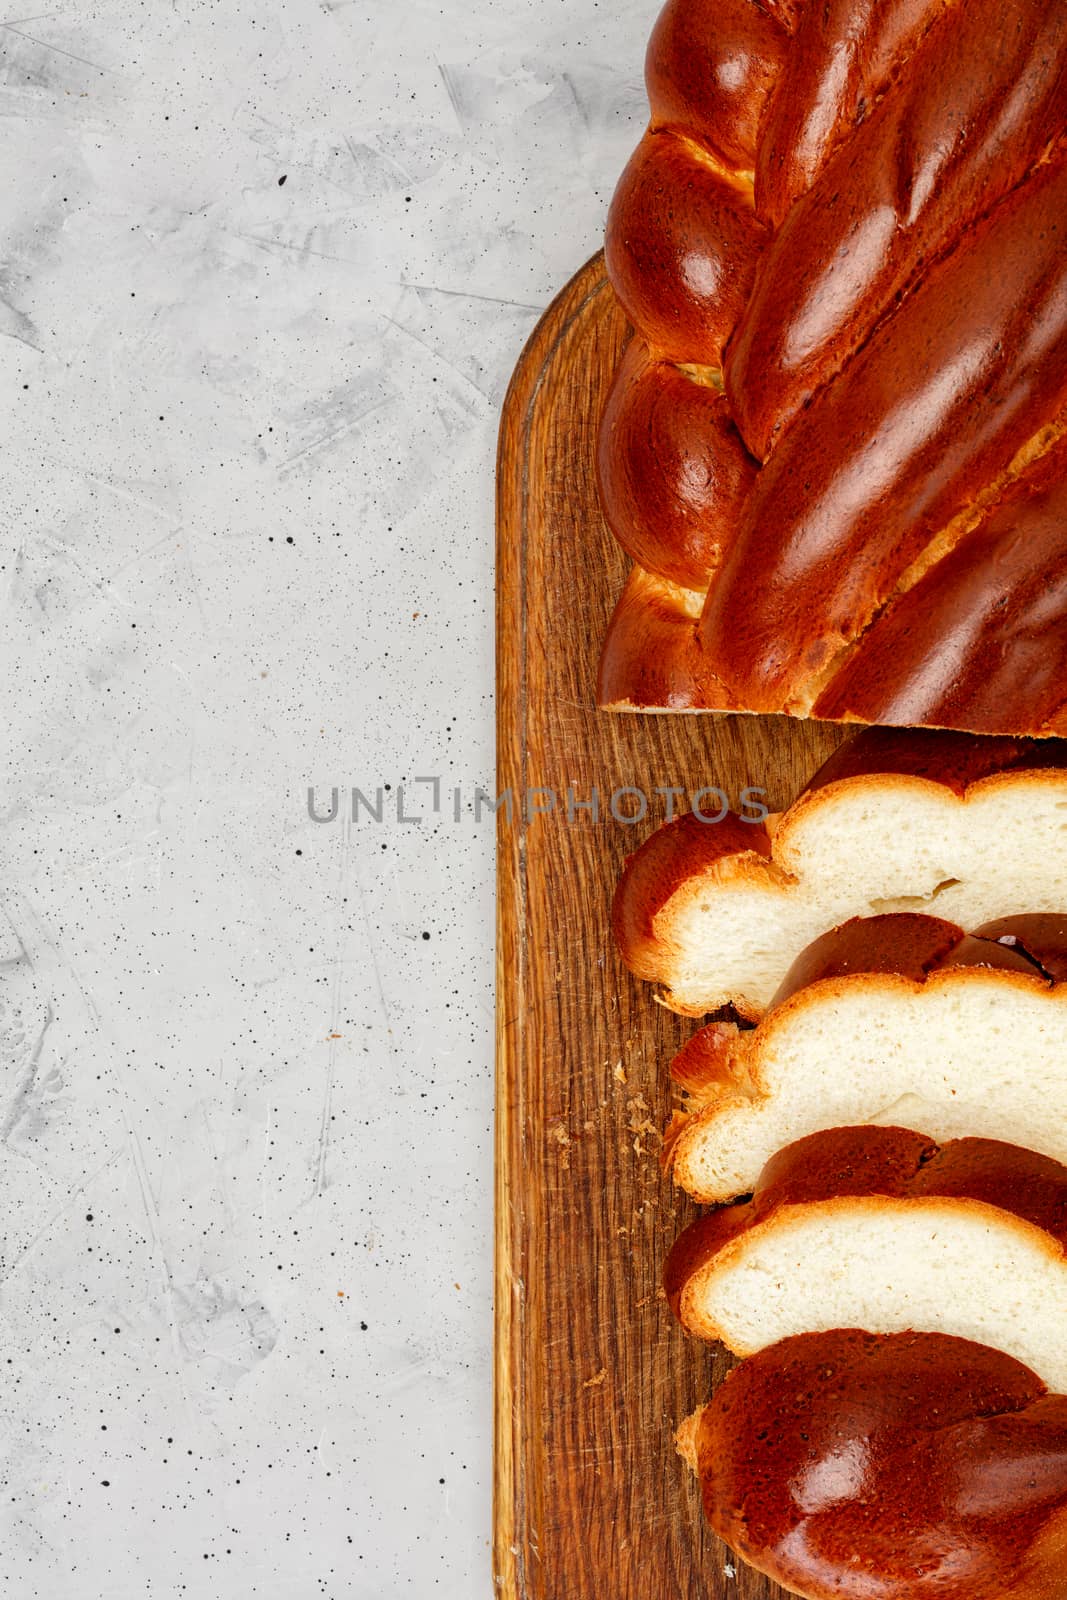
[
  {"x": 895, "y": 820},
  {"x": 845, "y": 1465},
  {"x": 879, "y": 1228},
  {"x": 901, "y": 1020}
]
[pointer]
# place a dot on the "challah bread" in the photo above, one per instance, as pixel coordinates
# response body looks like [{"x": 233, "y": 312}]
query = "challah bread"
[
  {"x": 879, "y": 1228},
  {"x": 900, "y": 1020},
  {"x": 916, "y": 1466},
  {"x": 847, "y": 217},
  {"x": 968, "y": 119},
  {"x": 715, "y": 914},
  {"x": 848, "y": 509}
]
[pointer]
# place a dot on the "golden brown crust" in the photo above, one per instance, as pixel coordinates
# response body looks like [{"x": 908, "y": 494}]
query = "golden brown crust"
[
  {"x": 954, "y": 761},
  {"x": 970, "y": 115},
  {"x": 710, "y": 1062},
  {"x": 872, "y": 1165},
  {"x": 651, "y": 659},
  {"x": 814, "y": 559},
  {"x": 981, "y": 633},
  {"x": 911, "y": 945},
  {"x": 1041, "y": 937},
  {"x": 849, "y": 1466},
  {"x": 681, "y": 248},
  {"x": 710, "y": 68},
  {"x": 902, "y": 942},
  {"x": 903, "y": 241},
  {"x": 672, "y": 470},
  {"x": 844, "y": 55}
]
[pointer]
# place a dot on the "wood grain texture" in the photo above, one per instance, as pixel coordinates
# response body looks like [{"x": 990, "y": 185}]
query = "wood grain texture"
[{"x": 591, "y": 1374}]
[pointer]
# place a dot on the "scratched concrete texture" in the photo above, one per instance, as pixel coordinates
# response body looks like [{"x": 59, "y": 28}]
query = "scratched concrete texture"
[{"x": 264, "y": 272}]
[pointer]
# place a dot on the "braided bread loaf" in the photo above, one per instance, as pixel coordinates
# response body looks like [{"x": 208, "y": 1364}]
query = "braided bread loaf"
[{"x": 836, "y": 447}]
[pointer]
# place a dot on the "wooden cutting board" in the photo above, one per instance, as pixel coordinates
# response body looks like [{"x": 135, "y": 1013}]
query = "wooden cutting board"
[{"x": 592, "y": 1375}]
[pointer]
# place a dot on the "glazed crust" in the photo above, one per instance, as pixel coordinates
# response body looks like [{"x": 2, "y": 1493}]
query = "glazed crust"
[
  {"x": 905, "y": 943},
  {"x": 982, "y": 632},
  {"x": 911, "y": 945},
  {"x": 652, "y": 658},
  {"x": 681, "y": 248},
  {"x": 814, "y": 559},
  {"x": 939, "y": 151},
  {"x": 848, "y": 1466},
  {"x": 844, "y": 56},
  {"x": 954, "y": 761},
  {"x": 845, "y": 1164},
  {"x": 710, "y": 68},
  {"x": 864, "y": 214},
  {"x": 672, "y": 471},
  {"x": 707, "y": 1066}
]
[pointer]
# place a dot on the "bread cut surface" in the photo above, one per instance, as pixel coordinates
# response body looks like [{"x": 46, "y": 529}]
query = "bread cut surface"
[
  {"x": 848, "y": 1466},
  {"x": 968, "y": 829},
  {"x": 928, "y": 1043},
  {"x": 881, "y": 1229}
]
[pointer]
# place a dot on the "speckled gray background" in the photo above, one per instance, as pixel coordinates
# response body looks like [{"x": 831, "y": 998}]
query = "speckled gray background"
[{"x": 264, "y": 272}]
